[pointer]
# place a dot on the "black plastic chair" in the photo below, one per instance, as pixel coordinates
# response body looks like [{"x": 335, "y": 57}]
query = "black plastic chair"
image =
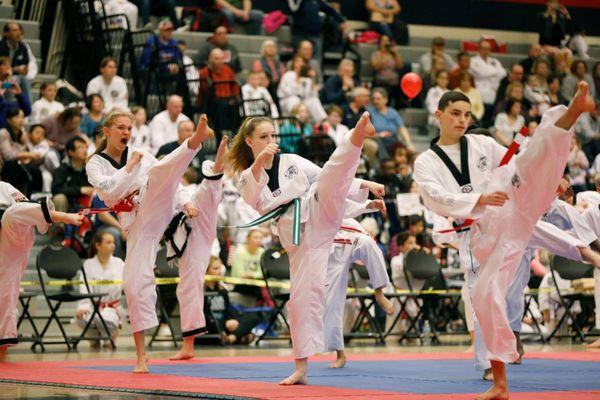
[
  {"x": 25, "y": 300},
  {"x": 367, "y": 302},
  {"x": 569, "y": 270},
  {"x": 275, "y": 266},
  {"x": 165, "y": 270},
  {"x": 62, "y": 263}
]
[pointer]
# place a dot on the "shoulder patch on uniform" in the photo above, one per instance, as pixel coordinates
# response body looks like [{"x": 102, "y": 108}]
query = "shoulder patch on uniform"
[
  {"x": 482, "y": 163},
  {"x": 516, "y": 180},
  {"x": 114, "y": 94},
  {"x": 243, "y": 182},
  {"x": 277, "y": 193},
  {"x": 291, "y": 172}
]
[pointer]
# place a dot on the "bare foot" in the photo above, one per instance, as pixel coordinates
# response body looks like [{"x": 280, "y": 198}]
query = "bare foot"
[
  {"x": 203, "y": 133},
  {"x": 487, "y": 375},
  {"x": 339, "y": 362},
  {"x": 182, "y": 355},
  {"x": 494, "y": 393},
  {"x": 384, "y": 302},
  {"x": 297, "y": 378},
  {"x": 364, "y": 128},
  {"x": 141, "y": 366},
  {"x": 593, "y": 345},
  {"x": 3, "y": 353}
]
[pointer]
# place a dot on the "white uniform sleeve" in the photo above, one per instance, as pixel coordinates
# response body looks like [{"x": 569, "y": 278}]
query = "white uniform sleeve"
[
  {"x": 250, "y": 189},
  {"x": 32, "y": 67},
  {"x": 111, "y": 188},
  {"x": 92, "y": 87}
]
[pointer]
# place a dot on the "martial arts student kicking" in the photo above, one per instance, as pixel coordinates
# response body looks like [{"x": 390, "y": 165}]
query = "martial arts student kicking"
[
  {"x": 458, "y": 178},
  {"x": 17, "y": 233},
  {"x": 352, "y": 243},
  {"x": 120, "y": 173},
  {"x": 193, "y": 262},
  {"x": 316, "y": 201}
]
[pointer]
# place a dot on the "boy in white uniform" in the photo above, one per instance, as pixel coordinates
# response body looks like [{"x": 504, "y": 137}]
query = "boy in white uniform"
[
  {"x": 507, "y": 202},
  {"x": 19, "y": 217},
  {"x": 110, "y": 86}
]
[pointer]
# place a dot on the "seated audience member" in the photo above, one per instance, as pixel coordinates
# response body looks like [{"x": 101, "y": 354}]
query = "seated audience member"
[
  {"x": 46, "y": 105},
  {"x": 434, "y": 95},
  {"x": 292, "y": 131},
  {"x": 466, "y": 87},
  {"x": 116, "y": 7},
  {"x": 553, "y": 92},
  {"x": 241, "y": 12},
  {"x": 62, "y": 127},
  {"x": 387, "y": 122},
  {"x": 253, "y": 90},
  {"x": 13, "y": 47},
  {"x": 578, "y": 73},
  {"x": 162, "y": 50},
  {"x": 438, "y": 64},
  {"x": 111, "y": 87},
  {"x": 587, "y": 129},
  {"x": 191, "y": 72},
  {"x": 508, "y": 123},
  {"x": 11, "y": 93},
  {"x": 388, "y": 67},
  {"x": 246, "y": 264},
  {"x": 298, "y": 85},
  {"x": 535, "y": 53},
  {"x": 381, "y": 15},
  {"x": 336, "y": 87},
  {"x": 535, "y": 95},
  {"x": 220, "y": 316},
  {"x": 94, "y": 103},
  {"x": 358, "y": 100},
  {"x": 437, "y": 49},
  {"x": 102, "y": 265},
  {"x": 305, "y": 51},
  {"x": 488, "y": 72},
  {"x": 163, "y": 127},
  {"x": 269, "y": 63},
  {"x": 554, "y": 26},
  {"x": 334, "y": 127},
  {"x": 463, "y": 64},
  {"x": 219, "y": 40},
  {"x": 140, "y": 132},
  {"x": 577, "y": 165},
  {"x": 515, "y": 74},
  {"x": 45, "y": 159},
  {"x": 109, "y": 222},
  {"x": 69, "y": 181}
]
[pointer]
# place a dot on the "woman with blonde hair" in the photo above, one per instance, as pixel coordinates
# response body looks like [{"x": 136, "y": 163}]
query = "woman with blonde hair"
[{"x": 147, "y": 190}]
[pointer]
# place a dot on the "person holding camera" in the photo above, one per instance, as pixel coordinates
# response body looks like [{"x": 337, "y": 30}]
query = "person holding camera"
[{"x": 11, "y": 94}]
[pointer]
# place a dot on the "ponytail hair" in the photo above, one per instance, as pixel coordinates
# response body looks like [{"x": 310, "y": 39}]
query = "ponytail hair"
[
  {"x": 240, "y": 154},
  {"x": 108, "y": 122}
]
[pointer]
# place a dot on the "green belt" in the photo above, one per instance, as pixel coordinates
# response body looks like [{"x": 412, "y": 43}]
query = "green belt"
[{"x": 277, "y": 212}]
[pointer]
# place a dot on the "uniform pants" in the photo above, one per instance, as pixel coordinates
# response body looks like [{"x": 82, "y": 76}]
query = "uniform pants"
[
  {"x": 153, "y": 216},
  {"x": 308, "y": 261}
]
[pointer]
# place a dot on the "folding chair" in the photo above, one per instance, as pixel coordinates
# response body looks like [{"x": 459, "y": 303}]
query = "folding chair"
[
  {"x": 275, "y": 266},
  {"x": 25, "y": 300},
  {"x": 367, "y": 303},
  {"x": 63, "y": 263},
  {"x": 569, "y": 270},
  {"x": 164, "y": 270}
]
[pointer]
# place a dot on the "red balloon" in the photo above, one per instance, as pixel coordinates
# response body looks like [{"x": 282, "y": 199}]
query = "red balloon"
[{"x": 411, "y": 85}]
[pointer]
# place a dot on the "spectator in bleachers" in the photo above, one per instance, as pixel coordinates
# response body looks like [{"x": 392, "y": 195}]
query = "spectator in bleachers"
[
  {"x": 587, "y": 129},
  {"x": 578, "y": 73},
  {"x": 334, "y": 127},
  {"x": 307, "y": 24},
  {"x": 535, "y": 95},
  {"x": 185, "y": 130},
  {"x": 577, "y": 164},
  {"x": 191, "y": 72},
  {"x": 252, "y": 90},
  {"x": 69, "y": 181},
  {"x": 577, "y": 43},
  {"x": 596, "y": 78},
  {"x": 158, "y": 8},
  {"x": 358, "y": 101},
  {"x": 110, "y": 86},
  {"x": 161, "y": 50},
  {"x": 388, "y": 67},
  {"x": 46, "y": 105},
  {"x": 434, "y": 95},
  {"x": 269, "y": 63},
  {"x": 94, "y": 103},
  {"x": 163, "y": 127},
  {"x": 514, "y": 91},
  {"x": 13, "y": 47},
  {"x": 437, "y": 49},
  {"x": 515, "y": 74},
  {"x": 102, "y": 265},
  {"x": 488, "y": 72},
  {"x": 553, "y": 91},
  {"x": 219, "y": 40},
  {"x": 555, "y": 25},
  {"x": 535, "y": 54},
  {"x": 11, "y": 94},
  {"x": 466, "y": 87},
  {"x": 298, "y": 85},
  {"x": 387, "y": 122},
  {"x": 508, "y": 123},
  {"x": 108, "y": 222},
  {"x": 305, "y": 50},
  {"x": 241, "y": 12},
  {"x": 382, "y": 14},
  {"x": 41, "y": 156},
  {"x": 246, "y": 263},
  {"x": 62, "y": 127},
  {"x": 140, "y": 132},
  {"x": 463, "y": 64},
  {"x": 541, "y": 69},
  {"x": 336, "y": 87},
  {"x": 114, "y": 7},
  {"x": 438, "y": 64}
]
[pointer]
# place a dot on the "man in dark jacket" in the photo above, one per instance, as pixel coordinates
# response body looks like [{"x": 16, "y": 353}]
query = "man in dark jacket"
[
  {"x": 12, "y": 46},
  {"x": 69, "y": 181}
]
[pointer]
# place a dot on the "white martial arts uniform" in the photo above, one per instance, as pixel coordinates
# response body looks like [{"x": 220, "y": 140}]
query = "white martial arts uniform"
[
  {"x": 157, "y": 186},
  {"x": 590, "y": 197},
  {"x": 499, "y": 237},
  {"x": 110, "y": 305},
  {"x": 352, "y": 243},
  {"x": 16, "y": 239},
  {"x": 164, "y": 130},
  {"x": 258, "y": 93},
  {"x": 140, "y": 137},
  {"x": 114, "y": 93},
  {"x": 43, "y": 108},
  {"x": 196, "y": 256},
  {"x": 293, "y": 90},
  {"x": 323, "y": 196}
]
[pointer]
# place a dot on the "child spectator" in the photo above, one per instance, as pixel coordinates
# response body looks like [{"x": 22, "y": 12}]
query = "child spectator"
[
  {"x": 435, "y": 94},
  {"x": 253, "y": 90},
  {"x": 140, "y": 132},
  {"x": 335, "y": 129},
  {"x": 46, "y": 105},
  {"x": 95, "y": 116}
]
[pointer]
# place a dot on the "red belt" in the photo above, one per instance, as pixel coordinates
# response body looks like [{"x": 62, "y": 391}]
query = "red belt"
[
  {"x": 125, "y": 205},
  {"x": 112, "y": 304}
]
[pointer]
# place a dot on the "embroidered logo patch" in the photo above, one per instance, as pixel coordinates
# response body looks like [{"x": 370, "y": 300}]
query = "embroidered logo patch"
[
  {"x": 277, "y": 193},
  {"x": 482, "y": 163},
  {"x": 516, "y": 181},
  {"x": 243, "y": 182},
  {"x": 467, "y": 188},
  {"x": 114, "y": 94},
  {"x": 291, "y": 172}
]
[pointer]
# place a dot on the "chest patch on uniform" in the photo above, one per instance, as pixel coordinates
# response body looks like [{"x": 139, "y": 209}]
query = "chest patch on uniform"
[
  {"x": 291, "y": 172},
  {"x": 277, "y": 193},
  {"x": 482, "y": 163},
  {"x": 114, "y": 94},
  {"x": 516, "y": 181},
  {"x": 466, "y": 188}
]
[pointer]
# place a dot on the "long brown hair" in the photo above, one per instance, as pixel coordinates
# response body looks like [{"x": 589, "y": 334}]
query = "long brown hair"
[
  {"x": 240, "y": 154},
  {"x": 108, "y": 122}
]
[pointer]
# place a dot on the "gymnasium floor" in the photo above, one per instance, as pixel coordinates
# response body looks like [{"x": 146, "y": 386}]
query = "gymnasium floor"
[{"x": 558, "y": 371}]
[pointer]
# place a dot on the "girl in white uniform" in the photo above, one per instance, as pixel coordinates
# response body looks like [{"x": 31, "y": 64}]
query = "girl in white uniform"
[
  {"x": 196, "y": 255},
  {"x": 119, "y": 173},
  {"x": 507, "y": 202},
  {"x": 19, "y": 218},
  {"x": 352, "y": 243},
  {"x": 320, "y": 196}
]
